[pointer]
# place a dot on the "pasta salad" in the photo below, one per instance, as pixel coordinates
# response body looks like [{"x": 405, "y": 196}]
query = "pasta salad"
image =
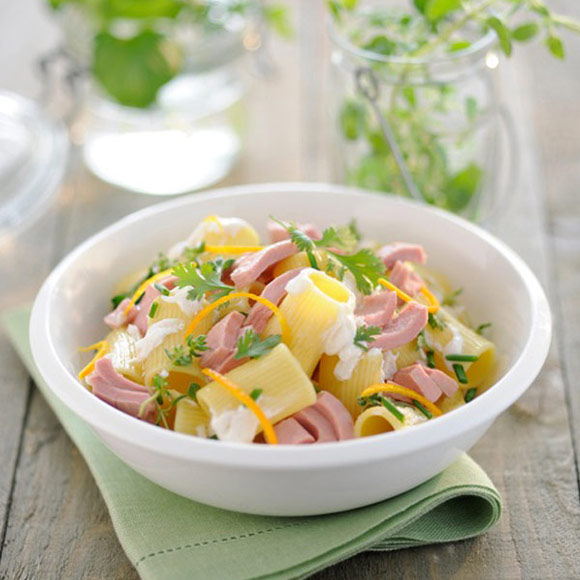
[{"x": 318, "y": 336}]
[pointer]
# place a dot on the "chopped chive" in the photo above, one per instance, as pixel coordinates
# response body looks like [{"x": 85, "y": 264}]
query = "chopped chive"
[
  {"x": 390, "y": 407},
  {"x": 462, "y": 357},
  {"x": 425, "y": 412},
  {"x": 255, "y": 394},
  {"x": 116, "y": 300},
  {"x": 482, "y": 327},
  {"x": 153, "y": 309},
  {"x": 460, "y": 374},
  {"x": 161, "y": 289},
  {"x": 470, "y": 395},
  {"x": 430, "y": 359},
  {"x": 214, "y": 437}
]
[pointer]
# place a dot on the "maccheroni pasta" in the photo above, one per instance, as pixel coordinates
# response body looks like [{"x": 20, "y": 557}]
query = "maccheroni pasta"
[{"x": 313, "y": 337}]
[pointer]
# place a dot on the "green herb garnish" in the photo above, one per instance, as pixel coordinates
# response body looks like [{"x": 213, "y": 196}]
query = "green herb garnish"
[
  {"x": 158, "y": 394},
  {"x": 116, "y": 300},
  {"x": 364, "y": 335},
  {"x": 425, "y": 412},
  {"x": 192, "y": 391},
  {"x": 451, "y": 299},
  {"x": 251, "y": 345},
  {"x": 204, "y": 279},
  {"x": 460, "y": 373},
  {"x": 182, "y": 356},
  {"x": 462, "y": 357},
  {"x": 435, "y": 322},
  {"x": 470, "y": 395},
  {"x": 430, "y": 359},
  {"x": 255, "y": 394},
  {"x": 160, "y": 288},
  {"x": 153, "y": 309},
  {"x": 479, "y": 330},
  {"x": 390, "y": 407},
  {"x": 365, "y": 267}
]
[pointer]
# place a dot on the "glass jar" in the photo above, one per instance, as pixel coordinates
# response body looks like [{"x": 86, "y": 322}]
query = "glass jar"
[
  {"x": 444, "y": 116},
  {"x": 190, "y": 137}
]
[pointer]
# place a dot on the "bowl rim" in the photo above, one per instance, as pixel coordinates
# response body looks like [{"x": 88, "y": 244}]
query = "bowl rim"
[{"x": 109, "y": 421}]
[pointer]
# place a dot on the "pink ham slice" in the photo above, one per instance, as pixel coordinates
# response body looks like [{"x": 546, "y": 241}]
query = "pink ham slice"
[
  {"x": 377, "y": 309},
  {"x": 118, "y": 318},
  {"x": 274, "y": 292},
  {"x": 404, "y": 278},
  {"x": 431, "y": 383},
  {"x": 400, "y": 251},
  {"x": 151, "y": 293},
  {"x": 119, "y": 392},
  {"x": 222, "y": 340},
  {"x": 326, "y": 420},
  {"x": 290, "y": 432},
  {"x": 404, "y": 328},
  {"x": 249, "y": 268},
  {"x": 278, "y": 233}
]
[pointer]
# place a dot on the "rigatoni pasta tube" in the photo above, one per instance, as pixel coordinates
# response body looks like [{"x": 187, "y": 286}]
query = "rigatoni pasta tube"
[
  {"x": 456, "y": 338},
  {"x": 122, "y": 353},
  {"x": 299, "y": 260},
  {"x": 316, "y": 306},
  {"x": 190, "y": 418},
  {"x": 283, "y": 389},
  {"x": 157, "y": 361},
  {"x": 408, "y": 354},
  {"x": 376, "y": 420},
  {"x": 368, "y": 371}
]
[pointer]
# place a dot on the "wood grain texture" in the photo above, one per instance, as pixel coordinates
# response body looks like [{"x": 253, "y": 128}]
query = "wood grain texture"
[{"x": 54, "y": 519}]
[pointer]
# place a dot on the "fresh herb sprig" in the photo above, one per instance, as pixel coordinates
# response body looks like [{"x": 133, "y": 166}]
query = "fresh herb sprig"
[
  {"x": 183, "y": 355},
  {"x": 365, "y": 266},
  {"x": 365, "y": 335},
  {"x": 252, "y": 346},
  {"x": 378, "y": 399},
  {"x": 205, "y": 279}
]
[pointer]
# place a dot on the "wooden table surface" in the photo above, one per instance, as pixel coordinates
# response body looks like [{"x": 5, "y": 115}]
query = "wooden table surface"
[{"x": 53, "y": 522}]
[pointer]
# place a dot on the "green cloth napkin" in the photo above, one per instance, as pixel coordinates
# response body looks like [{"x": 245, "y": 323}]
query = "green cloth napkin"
[{"x": 167, "y": 536}]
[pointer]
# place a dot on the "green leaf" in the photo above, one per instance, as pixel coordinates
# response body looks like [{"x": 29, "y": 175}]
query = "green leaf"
[
  {"x": 525, "y": 32},
  {"x": 364, "y": 335},
  {"x": 381, "y": 45},
  {"x": 503, "y": 34},
  {"x": 133, "y": 70},
  {"x": 352, "y": 120},
  {"x": 420, "y": 5},
  {"x": 203, "y": 279},
  {"x": 365, "y": 267},
  {"x": 463, "y": 186},
  {"x": 342, "y": 238},
  {"x": 459, "y": 45},
  {"x": 251, "y": 345},
  {"x": 141, "y": 9},
  {"x": 556, "y": 46},
  {"x": 437, "y": 9}
]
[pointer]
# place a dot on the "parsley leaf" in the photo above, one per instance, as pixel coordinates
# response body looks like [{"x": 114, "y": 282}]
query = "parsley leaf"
[
  {"x": 204, "y": 279},
  {"x": 365, "y": 266},
  {"x": 192, "y": 391},
  {"x": 182, "y": 356},
  {"x": 342, "y": 238},
  {"x": 252, "y": 346},
  {"x": 364, "y": 335},
  {"x": 301, "y": 240}
]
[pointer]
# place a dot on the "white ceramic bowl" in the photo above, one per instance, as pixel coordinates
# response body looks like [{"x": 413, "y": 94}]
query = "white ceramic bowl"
[{"x": 293, "y": 480}]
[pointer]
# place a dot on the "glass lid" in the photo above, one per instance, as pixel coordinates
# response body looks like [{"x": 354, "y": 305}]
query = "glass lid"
[{"x": 33, "y": 157}]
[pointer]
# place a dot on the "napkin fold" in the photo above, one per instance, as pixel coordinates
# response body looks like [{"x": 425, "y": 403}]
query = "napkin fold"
[{"x": 167, "y": 536}]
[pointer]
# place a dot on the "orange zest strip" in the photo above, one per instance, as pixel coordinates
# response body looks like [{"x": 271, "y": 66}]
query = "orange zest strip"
[
  {"x": 214, "y": 218},
  {"x": 433, "y": 305},
  {"x": 213, "y": 305},
  {"x": 232, "y": 249},
  {"x": 102, "y": 348},
  {"x": 393, "y": 388},
  {"x": 246, "y": 400},
  {"x": 144, "y": 287},
  {"x": 431, "y": 298},
  {"x": 402, "y": 295}
]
